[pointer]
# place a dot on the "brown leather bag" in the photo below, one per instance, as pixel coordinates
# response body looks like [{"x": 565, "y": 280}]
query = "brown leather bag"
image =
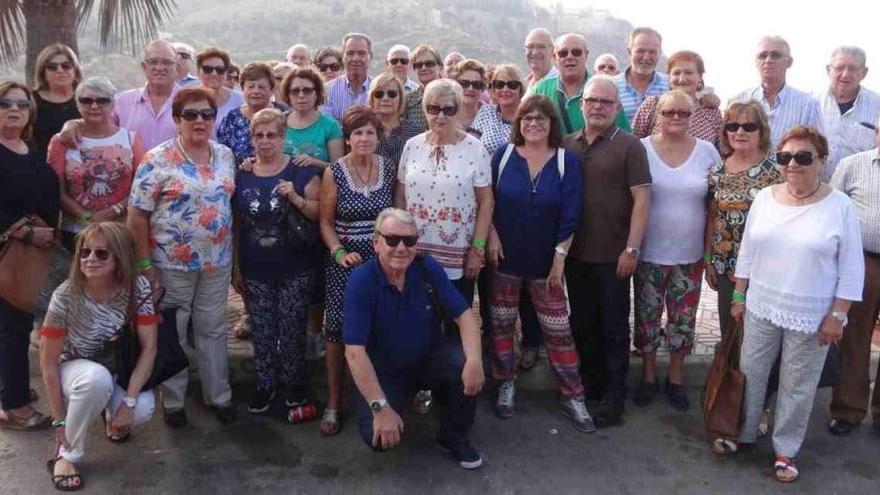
[
  {"x": 722, "y": 395},
  {"x": 24, "y": 267}
]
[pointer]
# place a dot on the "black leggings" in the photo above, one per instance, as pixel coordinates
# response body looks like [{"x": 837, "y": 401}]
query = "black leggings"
[{"x": 15, "y": 330}]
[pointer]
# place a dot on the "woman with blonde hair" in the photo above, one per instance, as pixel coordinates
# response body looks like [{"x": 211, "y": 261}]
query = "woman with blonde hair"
[
  {"x": 387, "y": 101},
  {"x": 57, "y": 73}
]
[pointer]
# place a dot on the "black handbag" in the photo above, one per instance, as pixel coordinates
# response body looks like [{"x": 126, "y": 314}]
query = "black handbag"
[{"x": 301, "y": 232}]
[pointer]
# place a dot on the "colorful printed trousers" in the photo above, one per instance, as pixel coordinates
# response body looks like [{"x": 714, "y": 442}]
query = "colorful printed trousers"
[{"x": 676, "y": 286}]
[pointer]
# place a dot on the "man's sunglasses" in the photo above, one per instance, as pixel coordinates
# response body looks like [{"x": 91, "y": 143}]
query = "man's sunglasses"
[
  {"x": 394, "y": 240},
  {"x": 191, "y": 115},
  {"x": 398, "y": 61},
  {"x": 499, "y": 84},
  {"x": 379, "y": 94},
  {"x": 735, "y": 126},
  {"x": 216, "y": 69},
  {"x": 575, "y": 52},
  {"x": 101, "y": 254},
  {"x": 436, "y": 109},
  {"x": 466, "y": 83},
  {"x": 428, "y": 64},
  {"x": 802, "y": 158},
  {"x": 101, "y": 101}
]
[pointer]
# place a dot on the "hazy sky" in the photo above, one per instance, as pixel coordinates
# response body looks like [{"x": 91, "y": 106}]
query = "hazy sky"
[{"x": 725, "y": 34}]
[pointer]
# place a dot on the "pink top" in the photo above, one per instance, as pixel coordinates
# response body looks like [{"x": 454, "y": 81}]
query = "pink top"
[{"x": 134, "y": 112}]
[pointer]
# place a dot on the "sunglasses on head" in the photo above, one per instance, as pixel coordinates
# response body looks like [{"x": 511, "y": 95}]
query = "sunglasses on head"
[
  {"x": 191, "y": 114},
  {"x": 428, "y": 64},
  {"x": 6, "y": 104},
  {"x": 499, "y": 84},
  {"x": 379, "y": 94},
  {"x": 394, "y": 240},
  {"x": 101, "y": 254},
  {"x": 305, "y": 91},
  {"x": 55, "y": 66},
  {"x": 735, "y": 126},
  {"x": 331, "y": 66},
  {"x": 436, "y": 109},
  {"x": 802, "y": 158},
  {"x": 682, "y": 114},
  {"x": 101, "y": 101},
  {"x": 575, "y": 52},
  {"x": 215, "y": 69},
  {"x": 398, "y": 61},
  {"x": 466, "y": 83}
]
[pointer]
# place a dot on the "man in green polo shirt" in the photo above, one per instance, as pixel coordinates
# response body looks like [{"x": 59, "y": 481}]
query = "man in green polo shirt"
[{"x": 566, "y": 89}]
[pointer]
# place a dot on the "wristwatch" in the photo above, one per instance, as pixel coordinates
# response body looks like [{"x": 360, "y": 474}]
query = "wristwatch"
[
  {"x": 130, "y": 402},
  {"x": 841, "y": 316},
  {"x": 561, "y": 251},
  {"x": 634, "y": 251},
  {"x": 377, "y": 405}
]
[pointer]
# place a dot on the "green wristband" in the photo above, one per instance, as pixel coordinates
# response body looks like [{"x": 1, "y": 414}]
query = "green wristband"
[
  {"x": 338, "y": 253},
  {"x": 707, "y": 258},
  {"x": 144, "y": 263},
  {"x": 86, "y": 216},
  {"x": 58, "y": 423},
  {"x": 479, "y": 243},
  {"x": 738, "y": 297}
]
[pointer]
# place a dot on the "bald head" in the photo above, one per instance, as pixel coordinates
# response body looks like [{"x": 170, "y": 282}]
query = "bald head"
[
  {"x": 571, "y": 57},
  {"x": 606, "y": 64},
  {"x": 539, "y": 53},
  {"x": 160, "y": 65}
]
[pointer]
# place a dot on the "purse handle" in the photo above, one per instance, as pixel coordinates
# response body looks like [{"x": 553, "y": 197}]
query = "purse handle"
[{"x": 17, "y": 225}]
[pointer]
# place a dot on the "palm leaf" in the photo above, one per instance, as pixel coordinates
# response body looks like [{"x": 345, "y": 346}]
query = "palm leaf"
[
  {"x": 126, "y": 24},
  {"x": 12, "y": 32}
]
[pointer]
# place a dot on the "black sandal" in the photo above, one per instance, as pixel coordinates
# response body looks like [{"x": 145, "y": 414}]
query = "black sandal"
[{"x": 62, "y": 482}]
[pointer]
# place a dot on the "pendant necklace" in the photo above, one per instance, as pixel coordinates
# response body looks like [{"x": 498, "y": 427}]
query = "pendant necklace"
[{"x": 366, "y": 183}]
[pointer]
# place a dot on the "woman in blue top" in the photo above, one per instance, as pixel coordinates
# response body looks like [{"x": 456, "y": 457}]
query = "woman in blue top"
[
  {"x": 274, "y": 277},
  {"x": 539, "y": 199},
  {"x": 312, "y": 138}
]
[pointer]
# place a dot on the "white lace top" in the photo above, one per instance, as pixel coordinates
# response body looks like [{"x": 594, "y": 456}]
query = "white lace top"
[{"x": 799, "y": 258}]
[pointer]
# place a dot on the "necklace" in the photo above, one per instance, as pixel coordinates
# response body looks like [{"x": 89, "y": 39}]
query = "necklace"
[
  {"x": 536, "y": 181},
  {"x": 801, "y": 198},
  {"x": 189, "y": 158},
  {"x": 365, "y": 189}
]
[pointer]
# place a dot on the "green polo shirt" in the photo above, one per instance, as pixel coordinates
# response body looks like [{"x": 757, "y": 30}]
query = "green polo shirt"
[{"x": 551, "y": 87}]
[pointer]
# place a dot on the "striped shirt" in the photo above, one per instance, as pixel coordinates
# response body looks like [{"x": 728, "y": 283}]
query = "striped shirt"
[
  {"x": 851, "y": 132},
  {"x": 858, "y": 176},
  {"x": 792, "y": 108},
  {"x": 341, "y": 95},
  {"x": 392, "y": 142},
  {"x": 631, "y": 99}
]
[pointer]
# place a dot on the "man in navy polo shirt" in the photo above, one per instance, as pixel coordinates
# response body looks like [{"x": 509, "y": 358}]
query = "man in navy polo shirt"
[{"x": 393, "y": 341}]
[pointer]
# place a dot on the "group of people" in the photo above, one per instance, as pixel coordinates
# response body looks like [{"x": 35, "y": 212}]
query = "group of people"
[{"x": 383, "y": 203}]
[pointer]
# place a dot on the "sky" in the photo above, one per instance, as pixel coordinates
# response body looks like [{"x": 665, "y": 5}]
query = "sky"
[{"x": 725, "y": 34}]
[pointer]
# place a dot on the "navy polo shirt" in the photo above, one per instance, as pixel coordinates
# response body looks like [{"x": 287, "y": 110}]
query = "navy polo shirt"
[{"x": 397, "y": 328}]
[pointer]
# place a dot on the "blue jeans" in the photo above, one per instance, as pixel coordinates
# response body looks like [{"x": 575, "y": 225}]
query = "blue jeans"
[{"x": 441, "y": 373}]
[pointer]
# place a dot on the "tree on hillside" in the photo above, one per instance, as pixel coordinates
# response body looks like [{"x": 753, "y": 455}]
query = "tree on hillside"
[{"x": 33, "y": 24}]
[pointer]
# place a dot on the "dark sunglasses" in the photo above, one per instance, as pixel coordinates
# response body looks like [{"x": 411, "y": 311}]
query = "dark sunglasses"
[
  {"x": 305, "y": 91},
  {"x": 428, "y": 64},
  {"x": 101, "y": 254},
  {"x": 499, "y": 84},
  {"x": 735, "y": 126},
  {"x": 331, "y": 66},
  {"x": 379, "y": 94},
  {"x": 54, "y": 66},
  {"x": 6, "y": 104},
  {"x": 436, "y": 109},
  {"x": 216, "y": 69},
  {"x": 802, "y": 158},
  {"x": 398, "y": 61},
  {"x": 682, "y": 114},
  {"x": 466, "y": 83},
  {"x": 393, "y": 240},
  {"x": 575, "y": 52},
  {"x": 191, "y": 115},
  {"x": 101, "y": 101}
]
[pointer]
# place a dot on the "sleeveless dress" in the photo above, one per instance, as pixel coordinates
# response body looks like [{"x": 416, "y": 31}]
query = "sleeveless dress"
[{"x": 356, "y": 211}]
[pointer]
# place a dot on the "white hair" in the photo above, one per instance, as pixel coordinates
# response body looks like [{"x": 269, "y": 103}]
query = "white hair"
[
  {"x": 177, "y": 45},
  {"x": 602, "y": 79},
  {"x": 98, "y": 84},
  {"x": 777, "y": 39},
  {"x": 544, "y": 33},
  {"x": 293, "y": 48},
  {"x": 562, "y": 37},
  {"x": 399, "y": 48},
  {"x": 606, "y": 55},
  {"x": 398, "y": 214},
  {"x": 850, "y": 51}
]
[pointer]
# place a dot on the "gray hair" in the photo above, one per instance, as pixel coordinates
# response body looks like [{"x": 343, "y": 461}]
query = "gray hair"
[
  {"x": 544, "y": 33},
  {"x": 359, "y": 36},
  {"x": 442, "y": 88},
  {"x": 603, "y": 79},
  {"x": 606, "y": 55},
  {"x": 398, "y": 214},
  {"x": 777, "y": 39},
  {"x": 642, "y": 30},
  {"x": 561, "y": 37},
  {"x": 158, "y": 43},
  {"x": 98, "y": 84},
  {"x": 177, "y": 45},
  {"x": 399, "y": 48},
  {"x": 293, "y": 48},
  {"x": 850, "y": 51}
]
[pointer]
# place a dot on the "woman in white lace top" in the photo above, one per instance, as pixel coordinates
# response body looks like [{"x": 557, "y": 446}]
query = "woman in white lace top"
[{"x": 801, "y": 261}]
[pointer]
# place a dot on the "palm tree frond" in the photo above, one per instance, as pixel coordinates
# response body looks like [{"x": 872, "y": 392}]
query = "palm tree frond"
[
  {"x": 12, "y": 32},
  {"x": 127, "y": 24}
]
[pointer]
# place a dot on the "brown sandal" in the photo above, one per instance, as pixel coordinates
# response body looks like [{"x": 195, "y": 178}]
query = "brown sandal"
[{"x": 36, "y": 421}]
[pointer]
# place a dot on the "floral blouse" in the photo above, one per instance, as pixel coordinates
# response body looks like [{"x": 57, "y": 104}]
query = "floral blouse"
[
  {"x": 732, "y": 195},
  {"x": 191, "y": 214}
]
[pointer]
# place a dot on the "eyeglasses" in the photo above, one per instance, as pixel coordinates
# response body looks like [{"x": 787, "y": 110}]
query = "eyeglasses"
[
  {"x": 436, "y": 109},
  {"x": 304, "y": 91},
  {"x": 735, "y": 126},
  {"x": 608, "y": 67},
  {"x": 215, "y": 69},
  {"x": 101, "y": 101},
  {"x": 599, "y": 102},
  {"x": 499, "y": 84},
  {"x": 394, "y": 240},
  {"x": 6, "y": 104},
  {"x": 184, "y": 55},
  {"x": 156, "y": 62},
  {"x": 771, "y": 55},
  {"x": 265, "y": 135},
  {"x": 536, "y": 47},
  {"x": 398, "y": 61},
  {"x": 331, "y": 66},
  {"x": 191, "y": 114},
  {"x": 101, "y": 254},
  {"x": 56, "y": 66},
  {"x": 539, "y": 119},
  {"x": 428, "y": 64},
  {"x": 575, "y": 52},
  {"x": 682, "y": 114},
  {"x": 802, "y": 158},
  {"x": 379, "y": 94},
  {"x": 466, "y": 83}
]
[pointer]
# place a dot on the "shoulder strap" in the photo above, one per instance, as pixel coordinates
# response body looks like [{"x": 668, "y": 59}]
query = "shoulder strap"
[
  {"x": 17, "y": 225},
  {"x": 563, "y": 110},
  {"x": 560, "y": 162},
  {"x": 432, "y": 292},
  {"x": 503, "y": 163}
]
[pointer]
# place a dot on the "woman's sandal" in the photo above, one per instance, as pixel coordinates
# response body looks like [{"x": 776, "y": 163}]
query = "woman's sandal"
[
  {"x": 784, "y": 465},
  {"x": 108, "y": 431},
  {"x": 64, "y": 482},
  {"x": 725, "y": 446},
  {"x": 36, "y": 421},
  {"x": 764, "y": 424},
  {"x": 330, "y": 422}
]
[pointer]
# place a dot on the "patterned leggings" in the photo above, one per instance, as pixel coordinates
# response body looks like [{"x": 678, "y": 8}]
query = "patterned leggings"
[
  {"x": 679, "y": 287},
  {"x": 279, "y": 311},
  {"x": 552, "y": 309}
]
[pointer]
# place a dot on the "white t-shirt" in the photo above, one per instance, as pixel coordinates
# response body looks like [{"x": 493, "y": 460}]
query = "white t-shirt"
[
  {"x": 676, "y": 227},
  {"x": 799, "y": 258},
  {"x": 440, "y": 195}
]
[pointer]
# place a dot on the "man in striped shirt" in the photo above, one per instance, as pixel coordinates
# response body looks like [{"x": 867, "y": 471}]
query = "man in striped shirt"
[
  {"x": 352, "y": 87},
  {"x": 641, "y": 79},
  {"x": 785, "y": 106},
  {"x": 849, "y": 110}
]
